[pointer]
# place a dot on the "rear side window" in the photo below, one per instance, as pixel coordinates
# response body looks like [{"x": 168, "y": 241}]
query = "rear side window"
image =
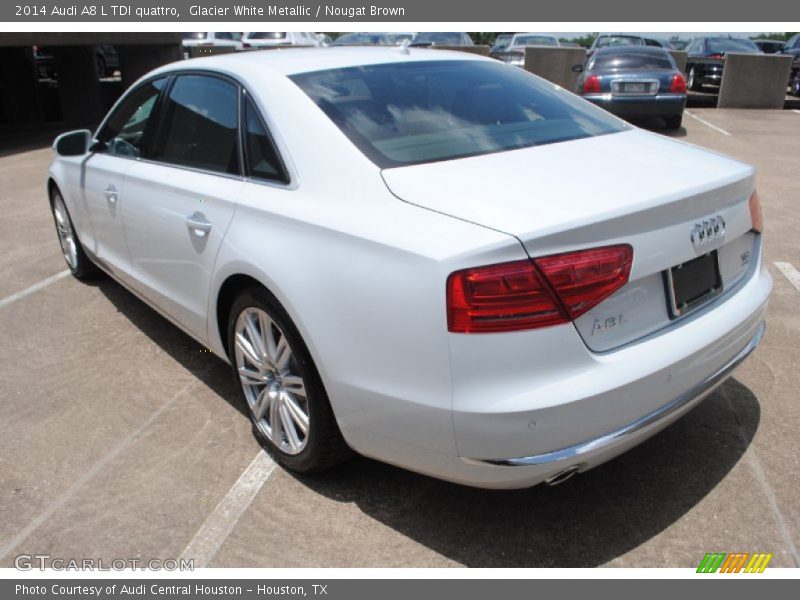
[
  {"x": 199, "y": 126},
  {"x": 124, "y": 131},
  {"x": 632, "y": 60},
  {"x": 262, "y": 158},
  {"x": 424, "y": 111}
]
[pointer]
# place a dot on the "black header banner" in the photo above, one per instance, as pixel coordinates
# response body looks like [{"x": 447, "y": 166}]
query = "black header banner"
[{"x": 387, "y": 11}]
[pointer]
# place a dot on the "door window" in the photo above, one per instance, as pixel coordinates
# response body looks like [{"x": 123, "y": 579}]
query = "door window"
[
  {"x": 124, "y": 131},
  {"x": 263, "y": 161},
  {"x": 199, "y": 126}
]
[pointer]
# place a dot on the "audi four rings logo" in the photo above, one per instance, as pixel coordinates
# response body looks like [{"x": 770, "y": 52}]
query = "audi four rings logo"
[{"x": 707, "y": 231}]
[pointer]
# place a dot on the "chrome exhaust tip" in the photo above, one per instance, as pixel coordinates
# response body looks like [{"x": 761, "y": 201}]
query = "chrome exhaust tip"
[{"x": 561, "y": 476}]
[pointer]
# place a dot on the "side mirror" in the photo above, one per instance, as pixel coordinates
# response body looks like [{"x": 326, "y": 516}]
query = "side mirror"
[
  {"x": 577, "y": 68},
  {"x": 73, "y": 143}
]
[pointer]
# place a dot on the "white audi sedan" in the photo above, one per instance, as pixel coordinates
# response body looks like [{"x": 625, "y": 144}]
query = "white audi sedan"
[{"x": 426, "y": 257}]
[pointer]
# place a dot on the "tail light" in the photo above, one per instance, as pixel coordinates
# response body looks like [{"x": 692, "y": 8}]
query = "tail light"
[
  {"x": 717, "y": 56},
  {"x": 529, "y": 294},
  {"x": 678, "y": 84},
  {"x": 245, "y": 45},
  {"x": 755, "y": 212},
  {"x": 591, "y": 85}
]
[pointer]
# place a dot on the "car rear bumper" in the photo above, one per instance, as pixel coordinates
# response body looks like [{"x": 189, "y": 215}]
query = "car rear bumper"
[
  {"x": 640, "y": 106},
  {"x": 602, "y": 411}
]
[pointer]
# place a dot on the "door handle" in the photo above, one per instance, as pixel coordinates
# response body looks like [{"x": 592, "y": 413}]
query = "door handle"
[
  {"x": 198, "y": 224},
  {"x": 111, "y": 194}
]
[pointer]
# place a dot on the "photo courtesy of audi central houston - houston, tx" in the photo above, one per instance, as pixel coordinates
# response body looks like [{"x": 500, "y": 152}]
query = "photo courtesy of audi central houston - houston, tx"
[{"x": 430, "y": 258}]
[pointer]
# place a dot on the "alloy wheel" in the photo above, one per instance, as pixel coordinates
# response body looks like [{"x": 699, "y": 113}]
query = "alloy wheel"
[
  {"x": 66, "y": 235},
  {"x": 273, "y": 387}
]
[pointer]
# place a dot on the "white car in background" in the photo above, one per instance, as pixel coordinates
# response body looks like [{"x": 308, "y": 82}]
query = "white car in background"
[
  {"x": 272, "y": 39},
  {"x": 514, "y": 52},
  {"x": 328, "y": 222},
  {"x": 225, "y": 39}
]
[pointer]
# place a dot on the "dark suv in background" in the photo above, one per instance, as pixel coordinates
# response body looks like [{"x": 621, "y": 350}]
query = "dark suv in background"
[
  {"x": 792, "y": 47},
  {"x": 706, "y": 58}
]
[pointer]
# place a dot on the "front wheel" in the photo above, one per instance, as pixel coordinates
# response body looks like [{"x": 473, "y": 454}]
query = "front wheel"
[
  {"x": 79, "y": 264},
  {"x": 280, "y": 385}
]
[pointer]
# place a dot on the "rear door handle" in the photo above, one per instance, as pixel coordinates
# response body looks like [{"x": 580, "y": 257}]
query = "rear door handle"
[
  {"x": 198, "y": 224},
  {"x": 111, "y": 194}
]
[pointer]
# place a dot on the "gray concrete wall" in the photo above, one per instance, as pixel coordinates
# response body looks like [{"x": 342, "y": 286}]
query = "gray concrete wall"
[
  {"x": 679, "y": 56},
  {"x": 477, "y": 49},
  {"x": 135, "y": 61},
  {"x": 555, "y": 64},
  {"x": 754, "y": 81}
]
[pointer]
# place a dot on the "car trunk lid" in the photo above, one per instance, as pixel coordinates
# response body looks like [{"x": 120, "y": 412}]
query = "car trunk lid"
[{"x": 633, "y": 187}]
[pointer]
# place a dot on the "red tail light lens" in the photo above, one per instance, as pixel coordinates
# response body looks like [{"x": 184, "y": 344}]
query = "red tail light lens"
[
  {"x": 585, "y": 278},
  {"x": 531, "y": 294},
  {"x": 591, "y": 85},
  {"x": 505, "y": 297},
  {"x": 678, "y": 84},
  {"x": 717, "y": 56}
]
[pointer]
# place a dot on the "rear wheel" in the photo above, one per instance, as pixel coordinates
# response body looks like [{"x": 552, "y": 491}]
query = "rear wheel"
[
  {"x": 79, "y": 264},
  {"x": 692, "y": 82},
  {"x": 674, "y": 121},
  {"x": 280, "y": 385}
]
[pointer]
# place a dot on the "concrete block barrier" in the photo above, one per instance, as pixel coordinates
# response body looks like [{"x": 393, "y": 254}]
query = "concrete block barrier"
[
  {"x": 556, "y": 64},
  {"x": 754, "y": 81},
  {"x": 679, "y": 56}
]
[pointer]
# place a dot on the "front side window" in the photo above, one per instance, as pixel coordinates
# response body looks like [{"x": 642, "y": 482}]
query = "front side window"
[
  {"x": 124, "y": 132},
  {"x": 425, "y": 111},
  {"x": 262, "y": 158},
  {"x": 199, "y": 125}
]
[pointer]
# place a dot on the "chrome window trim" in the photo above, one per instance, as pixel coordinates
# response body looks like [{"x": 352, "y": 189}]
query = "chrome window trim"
[{"x": 280, "y": 146}]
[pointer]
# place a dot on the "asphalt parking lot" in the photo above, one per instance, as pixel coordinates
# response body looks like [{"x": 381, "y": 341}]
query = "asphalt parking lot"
[{"x": 120, "y": 437}]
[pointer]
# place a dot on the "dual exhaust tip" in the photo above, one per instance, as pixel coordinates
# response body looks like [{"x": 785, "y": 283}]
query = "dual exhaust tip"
[{"x": 562, "y": 476}]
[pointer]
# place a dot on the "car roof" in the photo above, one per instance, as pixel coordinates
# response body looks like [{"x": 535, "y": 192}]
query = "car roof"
[{"x": 291, "y": 61}]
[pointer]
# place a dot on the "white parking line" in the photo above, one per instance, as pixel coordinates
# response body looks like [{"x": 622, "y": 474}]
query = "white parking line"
[
  {"x": 706, "y": 123},
  {"x": 34, "y": 288},
  {"x": 792, "y": 274},
  {"x": 218, "y": 526},
  {"x": 67, "y": 494}
]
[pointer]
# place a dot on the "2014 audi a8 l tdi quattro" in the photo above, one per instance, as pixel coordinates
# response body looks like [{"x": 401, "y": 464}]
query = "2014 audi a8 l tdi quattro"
[{"x": 431, "y": 258}]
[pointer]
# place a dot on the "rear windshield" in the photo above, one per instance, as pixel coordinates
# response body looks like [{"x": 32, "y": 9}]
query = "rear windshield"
[
  {"x": 731, "y": 45},
  {"x": 535, "y": 40},
  {"x": 438, "y": 38},
  {"x": 267, "y": 35},
  {"x": 631, "y": 60},
  {"x": 427, "y": 111},
  {"x": 619, "y": 40}
]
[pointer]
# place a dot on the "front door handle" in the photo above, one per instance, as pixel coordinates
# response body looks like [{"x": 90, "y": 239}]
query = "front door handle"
[
  {"x": 111, "y": 194},
  {"x": 198, "y": 224}
]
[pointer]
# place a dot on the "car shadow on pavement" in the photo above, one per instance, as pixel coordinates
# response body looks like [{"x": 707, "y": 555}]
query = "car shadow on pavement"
[
  {"x": 199, "y": 361},
  {"x": 588, "y": 521}
]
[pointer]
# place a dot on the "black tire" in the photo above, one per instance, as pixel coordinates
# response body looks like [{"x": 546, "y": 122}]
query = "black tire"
[
  {"x": 83, "y": 268},
  {"x": 691, "y": 79},
  {"x": 674, "y": 121},
  {"x": 324, "y": 447}
]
